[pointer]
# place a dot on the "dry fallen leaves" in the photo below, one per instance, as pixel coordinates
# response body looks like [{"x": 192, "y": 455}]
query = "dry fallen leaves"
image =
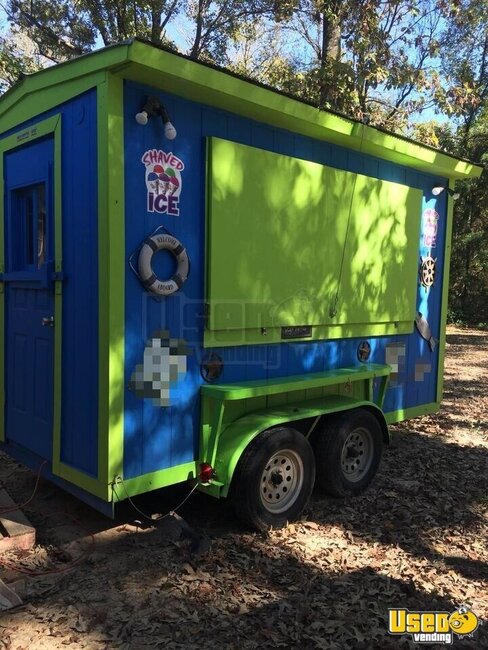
[{"x": 416, "y": 539}]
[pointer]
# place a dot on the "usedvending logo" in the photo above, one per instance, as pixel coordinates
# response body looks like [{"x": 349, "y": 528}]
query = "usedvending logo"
[
  {"x": 163, "y": 181},
  {"x": 430, "y": 219},
  {"x": 433, "y": 627}
]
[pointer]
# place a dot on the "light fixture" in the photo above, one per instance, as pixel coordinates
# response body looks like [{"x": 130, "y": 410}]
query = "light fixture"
[
  {"x": 142, "y": 118},
  {"x": 169, "y": 129},
  {"x": 154, "y": 107},
  {"x": 438, "y": 189}
]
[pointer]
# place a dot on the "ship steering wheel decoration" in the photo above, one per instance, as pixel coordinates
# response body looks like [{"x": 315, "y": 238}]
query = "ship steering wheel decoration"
[{"x": 427, "y": 271}]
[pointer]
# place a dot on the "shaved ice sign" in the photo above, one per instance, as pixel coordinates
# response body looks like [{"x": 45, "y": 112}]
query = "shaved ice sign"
[
  {"x": 163, "y": 181},
  {"x": 430, "y": 219}
]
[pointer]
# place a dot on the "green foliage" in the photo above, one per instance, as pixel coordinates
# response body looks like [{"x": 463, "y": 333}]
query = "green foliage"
[
  {"x": 465, "y": 97},
  {"x": 58, "y": 30},
  {"x": 469, "y": 265},
  {"x": 384, "y": 62},
  {"x": 465, "y": 61},
  {"x": 62, "y": 29},
  {"x": 17, "y": 57},
  {"x": 370, "y": 59}
]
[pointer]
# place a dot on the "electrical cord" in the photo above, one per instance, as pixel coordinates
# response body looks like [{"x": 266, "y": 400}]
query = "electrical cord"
[
  {"x": 4, "y": 511},
  {"x": 333, "y": 308},
  {"x": 143, "y": 514},
  {"x": 78, "y": 560}
]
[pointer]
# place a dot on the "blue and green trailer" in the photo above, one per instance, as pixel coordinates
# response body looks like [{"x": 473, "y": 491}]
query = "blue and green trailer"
[{"x": 205, "y": 280}]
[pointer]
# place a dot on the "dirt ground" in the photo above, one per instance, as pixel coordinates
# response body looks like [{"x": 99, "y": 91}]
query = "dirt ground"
[{"x": 417, "y": 539}]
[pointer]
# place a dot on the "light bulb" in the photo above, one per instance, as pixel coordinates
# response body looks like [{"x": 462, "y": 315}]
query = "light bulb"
[
  {"x": 169, "y": 131},
  {"x": 438, "y": 190},
  {"x": 141, "y": 118}
]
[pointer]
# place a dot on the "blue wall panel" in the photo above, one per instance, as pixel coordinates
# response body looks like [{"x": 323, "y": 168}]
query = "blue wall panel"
[{"x": 156, "y": 438}]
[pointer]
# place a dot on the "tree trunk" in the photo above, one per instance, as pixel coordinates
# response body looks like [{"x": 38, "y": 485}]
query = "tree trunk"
[
  {"x": 195, "y": 50},
  {"x": 331, "y": 38},
  {"x": 330, "y": 50}
]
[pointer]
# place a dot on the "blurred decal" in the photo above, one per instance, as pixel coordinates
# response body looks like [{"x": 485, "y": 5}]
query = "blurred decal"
[
  {"x": 164, "y": 366},
  {"x": 429, "y": 227},
  {"x": 395, "y": 356},
  {"x": 421, "y": 369}
]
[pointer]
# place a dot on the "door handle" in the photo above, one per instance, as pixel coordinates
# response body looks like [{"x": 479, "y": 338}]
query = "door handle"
[{"x": 48, "y": 321}]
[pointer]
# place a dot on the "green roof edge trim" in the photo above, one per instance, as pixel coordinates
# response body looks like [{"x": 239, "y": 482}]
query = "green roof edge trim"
[
  {"x": 177, "y": 74},
  {"x": 62, "y": 72},
  {"x": 200, "y": 82}
]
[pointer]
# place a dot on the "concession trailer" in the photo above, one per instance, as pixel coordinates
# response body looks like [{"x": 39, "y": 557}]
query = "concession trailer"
[{"x": 203, "y": 279}]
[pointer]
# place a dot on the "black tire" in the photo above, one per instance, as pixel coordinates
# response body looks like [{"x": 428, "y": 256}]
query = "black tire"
[
  {"x": 348, "y": 452},
  {"x": 269, "y": 494}
]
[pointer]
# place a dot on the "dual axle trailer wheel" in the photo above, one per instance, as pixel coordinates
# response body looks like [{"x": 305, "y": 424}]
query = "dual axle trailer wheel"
[{"x": 277, "y": 472}]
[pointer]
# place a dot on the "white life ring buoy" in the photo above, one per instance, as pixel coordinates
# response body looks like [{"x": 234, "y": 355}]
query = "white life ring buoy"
[{"x": 149, "y": 279}]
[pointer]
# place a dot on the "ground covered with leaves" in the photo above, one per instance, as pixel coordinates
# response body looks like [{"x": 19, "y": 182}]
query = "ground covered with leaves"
[{"x": 417, "y": 539}]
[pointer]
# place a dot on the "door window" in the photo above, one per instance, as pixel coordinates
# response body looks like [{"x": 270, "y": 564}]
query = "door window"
[{"x": 29, "y": 222}]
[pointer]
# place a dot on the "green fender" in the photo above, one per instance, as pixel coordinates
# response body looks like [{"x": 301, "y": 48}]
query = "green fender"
[{"x": 236, "y": 437}]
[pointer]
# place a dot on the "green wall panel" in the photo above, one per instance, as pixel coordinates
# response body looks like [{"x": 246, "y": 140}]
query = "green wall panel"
[
  {"x": 293, "y": 242},
  {"x": 380, "y": 273}
]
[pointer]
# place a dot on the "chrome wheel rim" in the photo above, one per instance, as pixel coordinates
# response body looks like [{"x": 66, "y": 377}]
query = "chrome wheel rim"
[
  {"x": 281, "y": 481},
  {"x": 357, "y": 454}
]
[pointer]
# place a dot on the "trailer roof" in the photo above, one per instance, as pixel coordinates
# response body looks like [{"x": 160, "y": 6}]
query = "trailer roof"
[{"x": 202, "y": 82}]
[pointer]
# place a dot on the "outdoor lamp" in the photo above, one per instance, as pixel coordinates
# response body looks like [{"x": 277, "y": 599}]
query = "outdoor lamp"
[
  {"x": 169, "y": 129},
  {"x": 142, "y": 118},
  {"x": 154, "y": 107},
  {"x": 438, "y": 189}
]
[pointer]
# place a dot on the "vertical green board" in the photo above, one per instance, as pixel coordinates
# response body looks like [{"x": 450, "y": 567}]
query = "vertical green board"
[
  {"x": 380, "y": 271},
  {"x": 292, "y": 242}
]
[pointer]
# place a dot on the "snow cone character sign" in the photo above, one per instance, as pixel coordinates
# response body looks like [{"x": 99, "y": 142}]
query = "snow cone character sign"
[{"x": 163, "y": 181}]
